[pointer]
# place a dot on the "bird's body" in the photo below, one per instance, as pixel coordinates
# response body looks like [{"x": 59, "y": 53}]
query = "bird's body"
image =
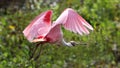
[{"x": 42, "y": 30}]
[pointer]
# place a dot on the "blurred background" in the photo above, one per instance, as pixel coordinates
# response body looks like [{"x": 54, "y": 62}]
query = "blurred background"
[{"x": 102, "y": 49}]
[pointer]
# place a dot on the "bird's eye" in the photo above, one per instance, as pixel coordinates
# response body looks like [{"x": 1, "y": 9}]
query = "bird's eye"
[{"x": 73, "y": 43}]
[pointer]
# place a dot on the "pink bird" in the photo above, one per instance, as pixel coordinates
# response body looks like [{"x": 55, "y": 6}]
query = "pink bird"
[{"x": 42, "y": 30}]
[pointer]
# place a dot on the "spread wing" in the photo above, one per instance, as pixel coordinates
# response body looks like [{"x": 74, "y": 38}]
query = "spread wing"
[
  {"x": 38, "y": 26},
  {"x": 72, "y": 21}
]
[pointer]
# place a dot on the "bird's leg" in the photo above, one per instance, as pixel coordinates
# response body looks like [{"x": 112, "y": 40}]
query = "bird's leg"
[
  {"x": 71, "y": 43},
  {"x": 39, "y": 53},
  {"x": 34, "y": 50}
]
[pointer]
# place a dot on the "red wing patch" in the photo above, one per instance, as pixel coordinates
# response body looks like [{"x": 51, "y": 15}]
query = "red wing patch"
[
  {"x": 47, "y": 17},
  {"x": 39, "y": 37}
]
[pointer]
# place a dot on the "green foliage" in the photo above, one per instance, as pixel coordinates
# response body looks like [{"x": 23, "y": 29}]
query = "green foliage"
[{"x": 104, "y": 16}]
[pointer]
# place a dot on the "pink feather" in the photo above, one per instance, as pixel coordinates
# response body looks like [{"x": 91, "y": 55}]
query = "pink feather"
[
  {"x": 40, "y": 29},
  {"x": 39, "y": 26}
]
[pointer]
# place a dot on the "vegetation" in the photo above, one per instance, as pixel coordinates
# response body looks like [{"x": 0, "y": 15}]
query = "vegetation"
[{"x": 104, "y": 16}]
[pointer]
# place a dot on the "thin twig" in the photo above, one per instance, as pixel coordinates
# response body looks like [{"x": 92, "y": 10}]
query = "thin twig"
[
  {"x": 39, "y": 53},
  {"x": 34, "y": 50}
]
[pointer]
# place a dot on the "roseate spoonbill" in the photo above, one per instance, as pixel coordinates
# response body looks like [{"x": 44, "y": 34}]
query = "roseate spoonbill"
[{"x": 42, "y": 30}]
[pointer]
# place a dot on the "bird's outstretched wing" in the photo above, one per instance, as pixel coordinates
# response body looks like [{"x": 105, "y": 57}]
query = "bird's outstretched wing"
[
  {"x": 72, "y": 21},
  {"x": 38, "y": 26}
]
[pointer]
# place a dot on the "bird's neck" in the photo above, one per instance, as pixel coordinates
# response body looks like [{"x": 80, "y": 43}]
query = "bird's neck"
[{"x": 66, "y": 43}]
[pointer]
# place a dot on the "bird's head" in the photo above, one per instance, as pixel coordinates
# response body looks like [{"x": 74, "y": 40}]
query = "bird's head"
[{"x": 73, "y": 43}]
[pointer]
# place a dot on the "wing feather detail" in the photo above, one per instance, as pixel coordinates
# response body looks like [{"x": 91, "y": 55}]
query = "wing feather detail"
[
  {"x": 72, "y": 21},
  {"x": 38, "y": 26}
]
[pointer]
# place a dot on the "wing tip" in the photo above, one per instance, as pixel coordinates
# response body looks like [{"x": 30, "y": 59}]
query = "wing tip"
[{"x": 91, "y": 28}]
